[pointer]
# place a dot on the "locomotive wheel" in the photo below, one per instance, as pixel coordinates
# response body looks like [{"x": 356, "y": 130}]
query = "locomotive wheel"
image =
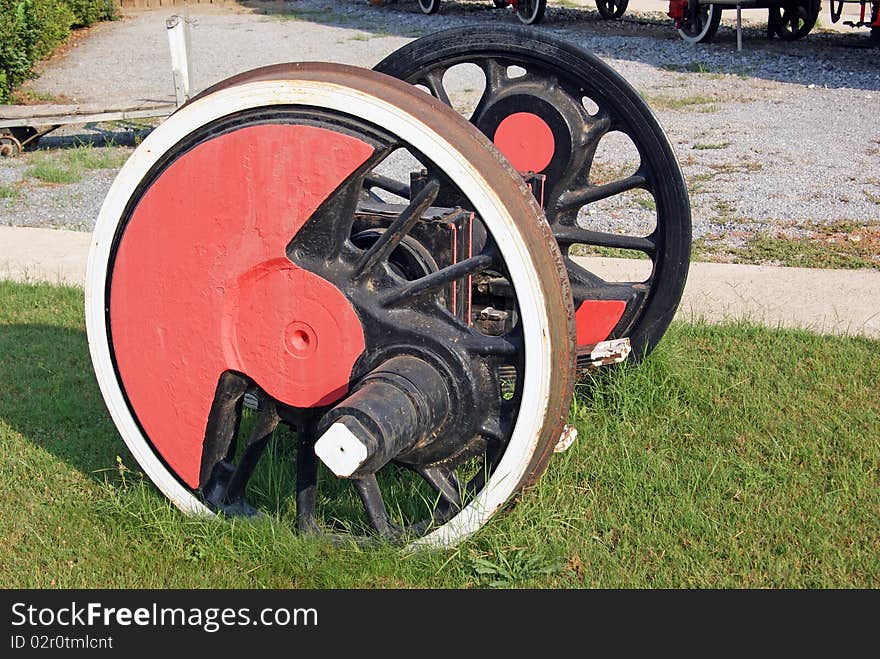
[
  {"x": 700, "y": 22},
  {"x": 548, "y": 101},
  {"x": 9, "y": 146},
  {"x": 794, "y": 20},
  {"x": 429, "y": 6},
  {"x": 610, "y": 9},
  {"x": 227, "y": 272},
  {"x": 530, "y": 12}
]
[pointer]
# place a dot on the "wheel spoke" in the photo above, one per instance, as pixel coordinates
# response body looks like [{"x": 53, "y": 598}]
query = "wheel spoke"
[
  {"x": 612, "y": 290},
  {"x": 445, "y": 483},
  {"x": 374, "y": 505},
  {"x": 388, "y": 184},
  {"x": 575, "y": 235},
  {"x": 434, "y": 81},
  {"x": 223, "y": 423},
  {"x": 391, "y": 237},
  {"x": 505, "y": 345},
  {"x": 306, "y": 480},
  {"x": 495, "y": 79},
  {"x": 592, "y": 193},
  {"x": 438, "y": 279},
  {"x": 266, "y": 423}
]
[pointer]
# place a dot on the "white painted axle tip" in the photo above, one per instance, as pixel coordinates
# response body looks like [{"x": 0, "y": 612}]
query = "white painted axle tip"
[{"x": 341, "y": 450}]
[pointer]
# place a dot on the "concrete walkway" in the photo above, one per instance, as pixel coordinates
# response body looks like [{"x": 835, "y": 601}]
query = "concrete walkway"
[{"x": 826, "y": 301}]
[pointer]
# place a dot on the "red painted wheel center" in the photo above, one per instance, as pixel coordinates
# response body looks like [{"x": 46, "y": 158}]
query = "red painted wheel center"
[
  {"x": 526, "y": 141},
  {"x": 201, "y": 283}
]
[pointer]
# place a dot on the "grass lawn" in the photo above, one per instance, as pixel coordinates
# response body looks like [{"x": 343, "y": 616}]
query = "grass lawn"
[{"x": 735, "y": 457}]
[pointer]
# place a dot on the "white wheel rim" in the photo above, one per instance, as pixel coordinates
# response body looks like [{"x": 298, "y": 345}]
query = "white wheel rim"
[
  {"x": 707, "y": 21},
  {"x": 523, "y": 274}
]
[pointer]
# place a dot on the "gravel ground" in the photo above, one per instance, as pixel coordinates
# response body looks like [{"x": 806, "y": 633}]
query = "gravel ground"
[{"x": 778, "y": 137}]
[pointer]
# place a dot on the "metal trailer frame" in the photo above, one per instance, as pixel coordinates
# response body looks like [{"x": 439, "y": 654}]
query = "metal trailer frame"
[{"x": 23, "y": 125}]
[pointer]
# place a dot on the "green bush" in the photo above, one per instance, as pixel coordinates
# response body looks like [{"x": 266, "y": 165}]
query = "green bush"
[
  {"x": 92, "y": 11},
  {"x": 31, "y": 29}
]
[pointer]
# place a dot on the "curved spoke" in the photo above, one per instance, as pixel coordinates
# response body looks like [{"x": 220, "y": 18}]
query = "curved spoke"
[
  {"x": 434, "y": 81},
  {"x": 438, "y": 279},
  {"x": 506, "y": 345},
  {"x": 593, "y": 193},
  {"x": 445, "y": 482},
  {"x": 227, "y": 486},
  {"x": 388, "y": 184},
  {"x": 612, "y": 290},
  {"x": 306, "y": 481},
  {"x": 374, "y": 505},
  {"x": 224, "y": 421},
  {"x": 495, "y": 79},
  {"x": 576, "y": 235},
  {"x": 390, "y": 238}
]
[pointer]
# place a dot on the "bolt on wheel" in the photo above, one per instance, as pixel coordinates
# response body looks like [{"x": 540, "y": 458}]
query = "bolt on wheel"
[
  {"x": 243, "y": 299},
  {"x": 592, "y": 151}
]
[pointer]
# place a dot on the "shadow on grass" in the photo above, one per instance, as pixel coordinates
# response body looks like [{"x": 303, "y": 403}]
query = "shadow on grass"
[
  {"x": 55, "y": 404},
  {"x": 52, "y": 398}
]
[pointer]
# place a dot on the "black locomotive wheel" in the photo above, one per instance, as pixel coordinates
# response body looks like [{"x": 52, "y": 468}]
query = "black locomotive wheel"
[
  {"x": 267, "y": 294},
  {"x": 611, "y": 9},
  {"x": 548, "y": 101},
  {"x": 530, "y": 12},
  {"x": 794, "y": 19},
  {"x": 700, "y": 22}
]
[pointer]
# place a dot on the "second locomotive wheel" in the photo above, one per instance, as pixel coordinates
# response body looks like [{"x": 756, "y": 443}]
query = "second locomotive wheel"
[
  {"x": 238, "y": 283},
  {"x": 611, "y": 9},
  {"x": 549, "y": 107}
]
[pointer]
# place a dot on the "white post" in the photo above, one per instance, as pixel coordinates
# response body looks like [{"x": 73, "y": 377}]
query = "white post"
[
  {"x": 178, "y": 42},
  {"x": 739, "y": 28}
]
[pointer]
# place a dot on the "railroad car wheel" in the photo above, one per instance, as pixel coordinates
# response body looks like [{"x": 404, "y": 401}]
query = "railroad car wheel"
[
  {"x": 700, "y": 22},
  {"x": 539, "y": 119},
  {"x": 794, "y": 20},
  {"x": 429, "y": 6},
  {"x": 10, "y": 147},
  {"x": 610, "y": 9},
  {"x": 235, "y": 284},
  {"x": 530, "y": 12}
]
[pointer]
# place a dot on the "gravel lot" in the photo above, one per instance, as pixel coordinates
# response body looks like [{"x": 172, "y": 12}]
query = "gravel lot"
[{"x": 776, "y": 138}]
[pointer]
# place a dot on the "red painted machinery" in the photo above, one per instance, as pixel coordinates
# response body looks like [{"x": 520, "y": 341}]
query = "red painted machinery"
[
  {"x": 530, "y": 12},
  {"x": 697, "y": 21},
  {"x": 313, "y": 264}
]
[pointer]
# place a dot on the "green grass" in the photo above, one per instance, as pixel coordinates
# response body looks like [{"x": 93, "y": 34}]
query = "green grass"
[
  {"x": 734, "y": 457},
  {"x": 69, "y": 165},
  {"x": 839, "y": 245},
  {"x": 706, "y": 146},
  {"x": 9, "y": 191},
  {"x": 697, "y": 102}
]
